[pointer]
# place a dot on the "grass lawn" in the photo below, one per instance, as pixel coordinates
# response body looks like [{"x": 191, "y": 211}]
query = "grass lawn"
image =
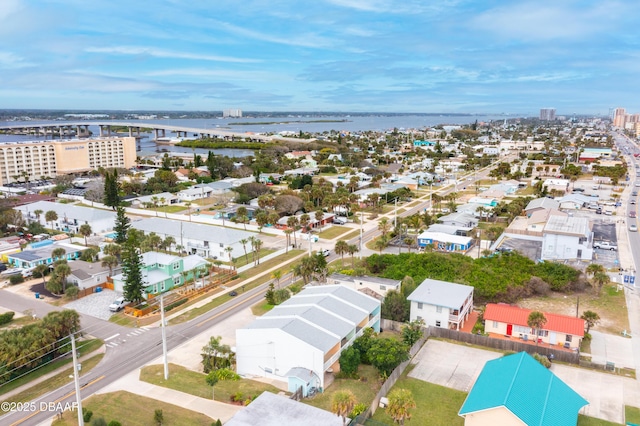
[
  {"x": 632, "y": 414},
  {"x": 84, "y": 347},
  {"x": 18, "y": 323},
  {"x": 592, "y": 421},
  {"x": 169, "y": 209},
  {"x": 261, "y": 308},
  {"x": 55, "y": 382},
  {"x": 435, "y": 405},
  {"x": 192, "y": 382},
  {"x": 610, "y": 305},
  {"x": 364, "y": 388},
  {"x": 132, "y": 409},
  {"x": 351, "y": 235},
  {"x": 333, "y": 232},
  {"x": 242, "y": 260},
  {"x": 280, "y": 260}
]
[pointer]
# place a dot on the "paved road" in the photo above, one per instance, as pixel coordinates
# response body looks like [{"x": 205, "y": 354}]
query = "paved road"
[{"x": 131, "y": 352}]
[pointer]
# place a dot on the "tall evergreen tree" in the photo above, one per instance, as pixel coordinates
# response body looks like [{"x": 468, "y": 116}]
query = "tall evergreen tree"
[
  {"x": 111, "y": 189},
  {"x": 121, "y": 226},
  {"x": 132, "y": 269}
]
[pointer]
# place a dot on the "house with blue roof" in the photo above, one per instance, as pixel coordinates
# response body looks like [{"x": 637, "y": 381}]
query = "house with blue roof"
[{"x": 516, "y": 390}]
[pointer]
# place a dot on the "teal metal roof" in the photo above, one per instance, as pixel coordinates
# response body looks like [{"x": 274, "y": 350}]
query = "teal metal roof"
[{"x": 527, "y": 389}]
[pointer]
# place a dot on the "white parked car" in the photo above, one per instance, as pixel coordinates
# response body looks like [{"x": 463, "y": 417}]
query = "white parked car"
[
  {"x": 118, "y": 304},
  {"x": 633, "y": 228}
]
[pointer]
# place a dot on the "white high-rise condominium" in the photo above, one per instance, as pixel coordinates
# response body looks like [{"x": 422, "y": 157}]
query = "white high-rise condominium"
[{"x": 548, "y": 114}]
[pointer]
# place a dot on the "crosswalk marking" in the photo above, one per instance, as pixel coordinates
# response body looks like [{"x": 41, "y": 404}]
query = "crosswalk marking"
[{"x": 136, "y": 332}]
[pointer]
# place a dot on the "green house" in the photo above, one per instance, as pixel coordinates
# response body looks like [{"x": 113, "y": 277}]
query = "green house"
[
  {"x": 162, "y": 272},
  {"x": 517, "y": 390}
]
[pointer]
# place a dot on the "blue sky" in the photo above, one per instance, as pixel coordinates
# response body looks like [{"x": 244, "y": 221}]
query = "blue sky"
[{"x": 325, "y": 55}]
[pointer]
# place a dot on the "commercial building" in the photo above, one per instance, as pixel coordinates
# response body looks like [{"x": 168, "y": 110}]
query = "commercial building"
[{"x": 58, "y": 157}]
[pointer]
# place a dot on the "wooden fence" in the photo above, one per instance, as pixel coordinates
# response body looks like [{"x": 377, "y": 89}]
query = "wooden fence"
[
  {"x": 90, "y": 290},
  {"x": 504, "y": 344}
]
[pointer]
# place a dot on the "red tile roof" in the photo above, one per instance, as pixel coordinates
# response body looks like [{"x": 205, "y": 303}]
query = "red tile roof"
[{"x": 518, "y": 316}]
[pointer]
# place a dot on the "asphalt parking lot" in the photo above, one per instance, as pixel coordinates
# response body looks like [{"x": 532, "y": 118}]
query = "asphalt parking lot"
[{"x": 528, "y": 248}]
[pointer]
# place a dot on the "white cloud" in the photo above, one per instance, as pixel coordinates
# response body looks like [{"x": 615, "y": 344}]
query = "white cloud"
[
  {"x": 162, "y": 53},
  {"x": 11, "y": 60},
  {"x": 302, "y": 40}
]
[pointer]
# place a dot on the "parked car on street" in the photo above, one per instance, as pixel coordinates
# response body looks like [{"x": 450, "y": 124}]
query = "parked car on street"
[
  {"x": 633, "y": 228},
  {"x": 324, "y": 252}
]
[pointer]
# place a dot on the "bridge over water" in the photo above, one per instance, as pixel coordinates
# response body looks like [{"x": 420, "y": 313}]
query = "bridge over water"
[{"x": 81, "y": 129}]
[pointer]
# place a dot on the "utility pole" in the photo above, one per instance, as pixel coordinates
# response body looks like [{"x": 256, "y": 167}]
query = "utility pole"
[
  {"x": 395, "y": 213},
  {"x": 361, "y": 219},
  {"x": 76, "y": 380},
  {"x": 164, "y": 339}
]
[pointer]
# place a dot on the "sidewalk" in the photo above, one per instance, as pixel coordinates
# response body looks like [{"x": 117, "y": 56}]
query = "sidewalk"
[
  {"x": 8, "y": 395},
  {"x": 131, "y": 383}
]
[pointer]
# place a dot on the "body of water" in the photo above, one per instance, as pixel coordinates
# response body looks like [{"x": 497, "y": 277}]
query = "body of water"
[{"x": 295, "y": 123}]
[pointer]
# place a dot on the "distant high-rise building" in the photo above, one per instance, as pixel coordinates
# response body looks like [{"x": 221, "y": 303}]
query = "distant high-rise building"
[
  {"x": 619, "y": 117},
  {"x": 233, "y": 113},
  {"x": 547, "y": 114}
]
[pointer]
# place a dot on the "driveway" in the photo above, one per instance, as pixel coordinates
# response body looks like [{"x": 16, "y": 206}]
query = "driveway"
[
  {"x": 95, "y": 305},
  {"x": 610, "y": 348},
  {"x": 450, "y": 365}
]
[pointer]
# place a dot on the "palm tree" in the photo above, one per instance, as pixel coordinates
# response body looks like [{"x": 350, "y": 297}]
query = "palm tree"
[
  {"x": 112, "y": 250},
  {"x": 38, "y": 213},
  {"x": 154, "y": 202},
  {"x": 58, "y": 253},
  {"x": 342, "y": 404},
  {"x": 318, "y": 216},
  {"x": 287, "y": 233},
  {"x": 342, "y": 248},
  {"x": 257, "y": 245},
  {"x": 590, "y": 318},
  {"x": 229, "y": 250},
  {"x": 41, "y": 270},
  {"x": 536, "y": 320},
  {"x": 409, "y": 241},
  {"x": 594, "y": 268},
  {"x": 50, "y": 217},
  {"x": 85, "y": 231},
  {"x": 384, "y": 226},
  {"x": 381, "y": 243},
  {"x": 63, "y": 271},
  {"x": 353, "y": 249},
  {"x": 168, "y": 242},
  {"x": 304, "y": 222},
  {"x": 400, "y": 403},
  {"x": 244, "y": 242},
  {"x": 109, "y": 262},
  {"x": 600, "y": 279},
  {"x": 276, "y": 275},
  {"x": 188, "y": 204}
]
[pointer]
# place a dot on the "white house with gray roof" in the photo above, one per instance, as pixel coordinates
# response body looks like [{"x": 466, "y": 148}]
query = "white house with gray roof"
[
  {"x": 70, "y": 217},
  {"x": 441, "y": 303},
  {"x": 208, "y": 241},
  {"x": 373, "y": 286},
  {"x": 301, "y": 340}
]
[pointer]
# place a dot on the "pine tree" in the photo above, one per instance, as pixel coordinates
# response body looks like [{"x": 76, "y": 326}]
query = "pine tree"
[
  {"x": 111, "y": 189},
  {"x": 121, "y": 226},
  {"x": 132, "y": 269}
]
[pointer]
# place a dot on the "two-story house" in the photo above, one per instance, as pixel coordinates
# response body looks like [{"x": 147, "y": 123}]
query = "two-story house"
[
  {"x": 373, "y": 286},
  {"x": 161, "y": 272},
  {"x": 69, "y": 216},
  {"x": 441, "y": 303},
  {"x": 507, "y": 320},
  {"x": 300, "y": 340}
]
